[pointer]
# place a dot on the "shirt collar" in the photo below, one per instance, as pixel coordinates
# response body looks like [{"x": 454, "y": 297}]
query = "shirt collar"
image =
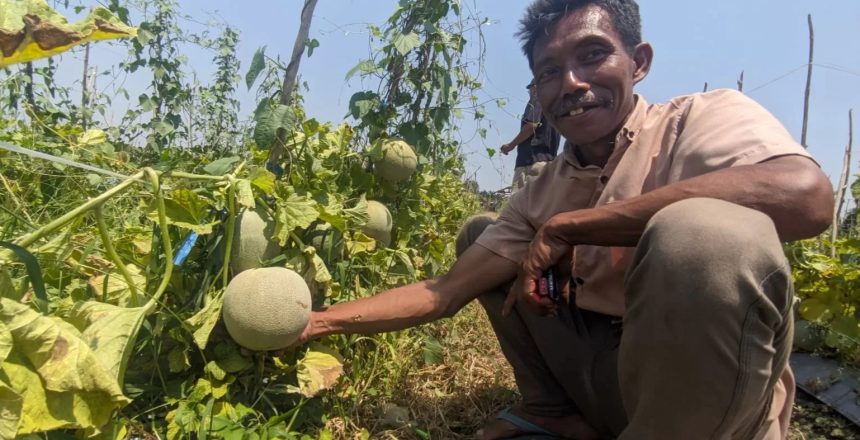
[{"x": 628, "y": 131}]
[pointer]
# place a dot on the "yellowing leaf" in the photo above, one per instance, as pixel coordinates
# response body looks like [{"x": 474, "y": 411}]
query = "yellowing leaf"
[
  {"x": 815, "y": 310},
  {"x": 30, "y": 29},
  {"x": 244, "y": 193},
  {"x": 113, "y": 288},
  {"x": 359, "y": 243},
  {"x": 92, "y": 136},
  {"x": 318, "y": 370},
  {"x": 263, "y": 180},
  {"x": 11, "y": 405},
  {"x": 110, "y": 331},
  {"x": 63, "y": 383}
]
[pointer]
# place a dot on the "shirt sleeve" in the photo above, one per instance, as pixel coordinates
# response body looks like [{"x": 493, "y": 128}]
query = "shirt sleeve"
[
  {"x": 725, "y": 128},
  {"x": 532, "y": 112},
  {"x": 510, "y": 236}
]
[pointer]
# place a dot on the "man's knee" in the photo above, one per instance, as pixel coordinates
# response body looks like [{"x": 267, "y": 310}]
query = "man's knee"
[
  {"x": 713, "y": 233},
  {"x": 472, "y": 228},
  {"x": 707, "y": 245}
]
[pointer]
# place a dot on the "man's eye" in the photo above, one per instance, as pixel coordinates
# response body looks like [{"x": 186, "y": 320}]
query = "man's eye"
[
  {"x": 595, "y": 54},
  {"x": 546, "y": 74}
]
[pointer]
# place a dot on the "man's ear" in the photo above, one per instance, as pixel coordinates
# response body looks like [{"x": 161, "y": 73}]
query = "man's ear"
[{"x": 643, "y": 54}]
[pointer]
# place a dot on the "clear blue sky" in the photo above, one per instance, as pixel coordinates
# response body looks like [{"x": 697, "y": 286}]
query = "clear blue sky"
[{"x": 694, "y": 42}]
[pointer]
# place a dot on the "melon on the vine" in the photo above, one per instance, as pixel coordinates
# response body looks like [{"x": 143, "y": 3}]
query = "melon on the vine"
[
  {"x": 379, "y": 224},
  {"x": 252, "y": 240},
  {"x": 398, "y": 161},
  {"x": 267, "y": 308}
]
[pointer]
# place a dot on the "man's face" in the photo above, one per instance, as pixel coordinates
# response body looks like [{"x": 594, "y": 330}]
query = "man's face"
[{"x": 585, "y": 77}]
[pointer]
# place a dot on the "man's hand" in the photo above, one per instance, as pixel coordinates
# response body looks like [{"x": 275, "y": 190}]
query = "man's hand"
[
  {"x": 546, "y": 250},
  {"x": 507, "y": 148}
]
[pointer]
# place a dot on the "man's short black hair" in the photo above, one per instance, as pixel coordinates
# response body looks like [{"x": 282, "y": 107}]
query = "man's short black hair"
[{"x": 543, "y": 14}]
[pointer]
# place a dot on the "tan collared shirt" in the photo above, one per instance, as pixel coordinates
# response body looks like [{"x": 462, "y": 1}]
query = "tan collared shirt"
[{"x": 658, "y": 145}]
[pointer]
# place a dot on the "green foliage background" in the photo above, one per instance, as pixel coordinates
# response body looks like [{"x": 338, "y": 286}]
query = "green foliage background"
[{"x": 122, "y": 340}]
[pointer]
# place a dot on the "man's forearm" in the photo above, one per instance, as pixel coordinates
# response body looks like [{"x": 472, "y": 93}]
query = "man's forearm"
[
  {"x": 795, "y": 194},
  {"x": 395, "y": 309},
  {"x": 526, "y": 131}
]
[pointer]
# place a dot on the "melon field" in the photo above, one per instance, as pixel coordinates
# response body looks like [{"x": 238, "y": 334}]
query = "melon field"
[{"x": 135, "y": 253}]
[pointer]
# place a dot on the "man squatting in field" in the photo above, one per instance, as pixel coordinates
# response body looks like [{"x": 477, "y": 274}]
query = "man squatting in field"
[{"x": 669, "y": 217}]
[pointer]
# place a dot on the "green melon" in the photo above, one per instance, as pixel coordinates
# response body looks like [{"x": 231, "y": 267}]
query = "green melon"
[
  {"x": 266, "y": 309},
  {"x": 251, "y": 240},
  {"x": 327, "y": 240},
  {"x": 379, "y": 225},
  {"x": 398, "y": 161}
]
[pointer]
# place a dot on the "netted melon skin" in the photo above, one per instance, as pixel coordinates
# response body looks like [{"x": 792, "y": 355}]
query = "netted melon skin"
[
  {"x": 267, "y": 308},
  {"x": 398, "y": 162},
  {"x": 379, "y": 225},
  {"x": 252, "y": 242}
]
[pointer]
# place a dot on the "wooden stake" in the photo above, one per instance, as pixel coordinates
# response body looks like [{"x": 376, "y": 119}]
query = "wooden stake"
[
  {"x": 843, "y": 184},
  {"x": 293, "y": 70},
  {"x": 808, "y": 84}
]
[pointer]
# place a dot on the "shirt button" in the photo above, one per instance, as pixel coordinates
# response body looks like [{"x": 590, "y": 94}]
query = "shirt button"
[{"x": 604, "y": 179}]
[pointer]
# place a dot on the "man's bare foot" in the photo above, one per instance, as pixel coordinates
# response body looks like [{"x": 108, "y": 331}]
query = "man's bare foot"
[{"x": 572, "y": 426}]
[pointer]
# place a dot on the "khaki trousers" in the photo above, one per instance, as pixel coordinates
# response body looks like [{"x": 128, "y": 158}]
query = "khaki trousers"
[{"x": 701, "y": 352}]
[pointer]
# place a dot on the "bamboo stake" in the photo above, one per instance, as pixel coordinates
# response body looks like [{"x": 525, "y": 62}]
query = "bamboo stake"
[
  {"x": 843, "y": 184},
  {"x": 808, "y": 84},
  {"x": 85, "y": 95}
]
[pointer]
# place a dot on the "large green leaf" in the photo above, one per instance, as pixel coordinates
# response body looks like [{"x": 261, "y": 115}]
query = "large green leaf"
[
  {"x": 294, "y": 212},
  {"x": 258, "y": 63},
  {"x": 318, "y": 370},
  {"x": 271, "y": 121},
  {"x": 110, "y": 332}
]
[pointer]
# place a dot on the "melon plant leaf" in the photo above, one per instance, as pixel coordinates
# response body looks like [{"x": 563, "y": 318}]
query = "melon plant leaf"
[
  {"x": 359, "y": 243},
  {"x": 221, "y": 166},
  {"x": 6, "y": 342},
  {"x": 258, "y": 63},
  {"x": 204, "y": 321},
  {"x": 244, "y": 193},
  {"x": 62, "y": 381},
  {"x": 11, "y": 405},
  {"x": 110, "y": 331},
  {"x": 815, "y": 310},
  {"x": 112, "y": 288},
  {"x": 263, "y": 180},
  {"x": 404, "y": 43},
  {"x": 358, "y": 215},
  {"x": 30, "y": 30},
  {"x": 270, "y": 122},
  {"x": 294, "y": 212},
  {"x": 319, "y": 370}
]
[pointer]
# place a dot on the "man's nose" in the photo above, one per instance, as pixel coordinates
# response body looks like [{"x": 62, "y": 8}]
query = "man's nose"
[{"x": 573, "y": 82}]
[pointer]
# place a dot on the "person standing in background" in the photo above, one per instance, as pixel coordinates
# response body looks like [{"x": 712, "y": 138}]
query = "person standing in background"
[{"x": 536, "y": 143}]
